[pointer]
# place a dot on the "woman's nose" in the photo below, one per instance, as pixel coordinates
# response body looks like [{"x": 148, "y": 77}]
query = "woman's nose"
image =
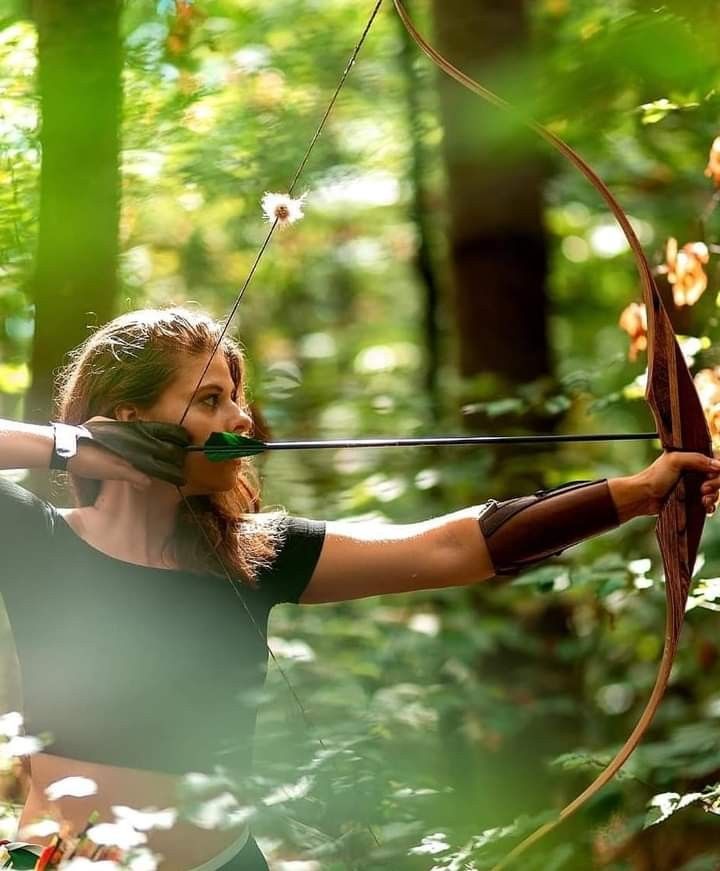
[{"x": 243, "y": 423}]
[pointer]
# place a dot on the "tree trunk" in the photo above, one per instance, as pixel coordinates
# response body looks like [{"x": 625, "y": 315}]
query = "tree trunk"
[
  {"x": 74, "y": 283},
  {"x": 423, "y": 202},
  {"x": 499, "y": 265},
  {"x": 495, "y": 177}
]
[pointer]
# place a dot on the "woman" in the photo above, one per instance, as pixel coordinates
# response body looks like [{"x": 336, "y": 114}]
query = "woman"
[{"x": 136, "y": 652}]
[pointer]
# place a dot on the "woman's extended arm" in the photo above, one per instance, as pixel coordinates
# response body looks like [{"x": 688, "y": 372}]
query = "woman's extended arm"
[
  {"x": 25, "y": 445},
  {"x": 370, "y": 559}
]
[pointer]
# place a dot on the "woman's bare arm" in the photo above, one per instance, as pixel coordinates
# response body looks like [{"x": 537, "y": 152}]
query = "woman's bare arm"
[
  {"x": 369, "y": 559},
  {"x": 25, "y": 445}
]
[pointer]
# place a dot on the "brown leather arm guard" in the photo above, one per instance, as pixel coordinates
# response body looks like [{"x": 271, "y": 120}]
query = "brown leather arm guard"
[{"x": 523, "y": 531}]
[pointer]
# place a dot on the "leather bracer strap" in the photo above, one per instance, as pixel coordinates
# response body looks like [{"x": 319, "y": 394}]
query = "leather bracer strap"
[{"x": 523, "y": 531}]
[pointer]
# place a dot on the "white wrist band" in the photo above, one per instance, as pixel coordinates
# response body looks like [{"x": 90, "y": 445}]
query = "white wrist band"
[{"x": 65, "y": 443}]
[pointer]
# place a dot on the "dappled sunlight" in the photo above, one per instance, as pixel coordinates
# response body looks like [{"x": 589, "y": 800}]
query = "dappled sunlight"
[
  {"x": 77, "y": 787},
  {"x": 220, "y": 812},
  {"x": 415, "y": 727},
  {"x": 343, "y": 188}
]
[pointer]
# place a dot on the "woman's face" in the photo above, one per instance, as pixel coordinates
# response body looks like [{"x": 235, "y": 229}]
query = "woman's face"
[{"x": 214, "y": 408}]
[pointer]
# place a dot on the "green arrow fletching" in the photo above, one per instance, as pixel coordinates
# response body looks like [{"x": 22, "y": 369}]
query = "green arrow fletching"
[{"x": 228, "y": 446}]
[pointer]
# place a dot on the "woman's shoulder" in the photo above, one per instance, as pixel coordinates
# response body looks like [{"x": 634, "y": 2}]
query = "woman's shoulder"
[
  {"x": 284, "y": 525},
  {"x": 15, "y": 497},
  {"x": 23, "y": 514},
  {"x": 297, "y": 549}
]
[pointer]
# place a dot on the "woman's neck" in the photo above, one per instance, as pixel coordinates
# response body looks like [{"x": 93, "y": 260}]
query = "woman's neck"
[{"x": 134, "y": 523}]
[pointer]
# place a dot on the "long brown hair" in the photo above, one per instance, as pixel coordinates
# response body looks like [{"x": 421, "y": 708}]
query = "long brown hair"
[{"x": 133, "y": 359}]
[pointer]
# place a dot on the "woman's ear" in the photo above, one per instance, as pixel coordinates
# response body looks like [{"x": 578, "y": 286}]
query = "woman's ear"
[{"x": 126, "y": 411}]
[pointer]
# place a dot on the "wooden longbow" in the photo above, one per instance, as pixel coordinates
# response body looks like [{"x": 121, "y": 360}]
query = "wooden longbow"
[
  {"x": 681, "y": 425},
  {"x": 670, "y": 394}
]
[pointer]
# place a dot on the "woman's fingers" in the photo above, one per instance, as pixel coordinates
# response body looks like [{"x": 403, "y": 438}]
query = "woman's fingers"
[
  {"x": 127, "y": 472},
  {"x": 690, "y": 461},
  {"x": 663, "y": 475},
  {"x": 710, "y": 490},
  {"x": 696, "y": 462}
]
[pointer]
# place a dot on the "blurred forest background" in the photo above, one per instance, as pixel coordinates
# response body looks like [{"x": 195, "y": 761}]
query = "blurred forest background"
[{"x": 451, "y": 275}]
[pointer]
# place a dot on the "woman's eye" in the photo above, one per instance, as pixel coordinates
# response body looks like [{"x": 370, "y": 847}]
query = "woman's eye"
[{"x": 213, "y": 400}]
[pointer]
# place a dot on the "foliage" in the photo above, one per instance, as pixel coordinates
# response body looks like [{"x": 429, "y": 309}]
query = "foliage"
[
  {"x": 439, "y": 718},
  {"x": 19, "y": 168}
]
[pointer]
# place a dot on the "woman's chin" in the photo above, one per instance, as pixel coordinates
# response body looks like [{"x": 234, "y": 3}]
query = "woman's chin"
[{"x": 220, "y": 481}]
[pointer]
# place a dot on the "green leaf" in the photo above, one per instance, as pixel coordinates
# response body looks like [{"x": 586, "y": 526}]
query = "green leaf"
[
  {"x": 23, "y": 855},
  {"x": 657, "y": 110}
]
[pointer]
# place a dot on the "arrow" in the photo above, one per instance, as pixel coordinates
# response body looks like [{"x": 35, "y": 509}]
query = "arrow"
[{"x": 226, "y": 445}]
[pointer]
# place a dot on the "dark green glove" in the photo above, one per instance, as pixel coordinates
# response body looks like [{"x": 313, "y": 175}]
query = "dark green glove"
[{"x": 158, "y": 449}]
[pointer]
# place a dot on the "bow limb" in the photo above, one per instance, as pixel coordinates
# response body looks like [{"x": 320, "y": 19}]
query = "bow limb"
[{"x": 681, "y": 425}]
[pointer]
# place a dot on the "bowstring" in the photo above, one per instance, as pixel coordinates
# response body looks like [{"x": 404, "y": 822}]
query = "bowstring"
[
  {"x": 298, "y": 172},
  {"x": 293, "y": 692},
  {"x": 235, "y": 586}
]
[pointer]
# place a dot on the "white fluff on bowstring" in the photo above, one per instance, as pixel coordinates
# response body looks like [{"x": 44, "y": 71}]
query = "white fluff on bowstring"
[{"x": 283, "y": 208}]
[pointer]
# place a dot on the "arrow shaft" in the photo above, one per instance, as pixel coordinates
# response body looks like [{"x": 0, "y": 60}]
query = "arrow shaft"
[{"x": 429, "y": 441}]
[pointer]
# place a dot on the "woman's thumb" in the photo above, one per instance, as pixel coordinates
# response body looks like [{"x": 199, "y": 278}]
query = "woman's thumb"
[{"x": 696, "y": 462}]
